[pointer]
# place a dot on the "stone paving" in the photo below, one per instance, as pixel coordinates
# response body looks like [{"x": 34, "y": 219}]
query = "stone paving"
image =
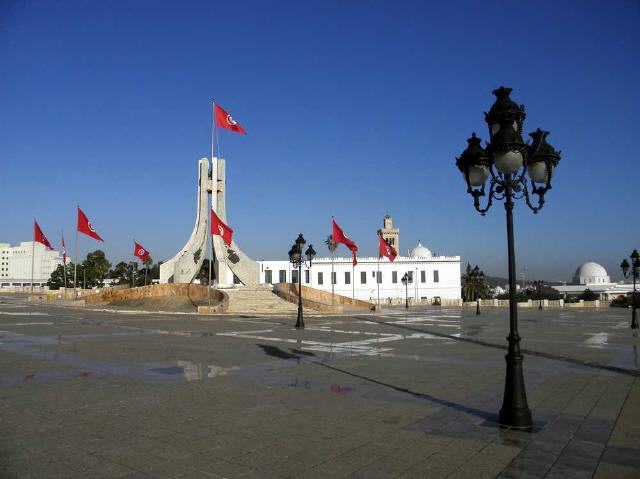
[{"x": 399, "y": 394}]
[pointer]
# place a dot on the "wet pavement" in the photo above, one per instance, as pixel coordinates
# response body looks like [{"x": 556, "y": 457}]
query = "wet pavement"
[{"x": 398, "y": 394}]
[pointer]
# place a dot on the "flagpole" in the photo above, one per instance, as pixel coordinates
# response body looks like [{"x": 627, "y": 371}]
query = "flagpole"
[
  {"x": 33, "y": 253},
  {"x": 75, "y": 267},
  {"x": 64, "y": 264},
  {"x": 378, "y": 278},
  {"x": 353, "y": 282},
  {"x": 210, "y": 267}
]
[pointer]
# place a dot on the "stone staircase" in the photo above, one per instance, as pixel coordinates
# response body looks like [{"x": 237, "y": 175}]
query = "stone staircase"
[{"x": 257, "y": 300}]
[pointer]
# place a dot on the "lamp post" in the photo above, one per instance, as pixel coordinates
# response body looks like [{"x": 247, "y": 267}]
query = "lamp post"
[
  {"x": 509, "y": 164},
  {"x": 297, "y": 260},
  {"x": 538, "y": 286},
  {"x": 634, "y": 273},
  {"x": 406, "y": 279}
]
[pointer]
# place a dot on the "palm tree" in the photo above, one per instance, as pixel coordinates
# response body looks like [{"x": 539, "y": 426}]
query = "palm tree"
[
  {"x": 332, "y": 246},
  {"x": 474, "y": 285}
]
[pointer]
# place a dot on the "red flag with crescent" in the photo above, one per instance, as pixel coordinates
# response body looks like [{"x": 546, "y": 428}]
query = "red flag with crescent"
[
  {"x": 39, "y": 236},
  {"x": 85, "y": 226},
  {"x": 140, "y": 251},
  {"x": 340, "y": 237},
  {"x": 64, "y": 250},
  {"x": 226, "y": 121},
  {"x": 218, "y": 228},
  {"x": 385, "y": 249}
]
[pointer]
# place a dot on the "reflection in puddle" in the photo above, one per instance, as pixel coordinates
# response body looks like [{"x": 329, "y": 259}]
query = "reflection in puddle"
[
  {"x": 599, "y": 341},
  {"x": 194, "y": 371}
]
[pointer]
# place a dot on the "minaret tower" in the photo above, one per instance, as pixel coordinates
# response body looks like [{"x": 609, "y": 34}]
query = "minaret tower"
[{"x": 389, "y": 233}]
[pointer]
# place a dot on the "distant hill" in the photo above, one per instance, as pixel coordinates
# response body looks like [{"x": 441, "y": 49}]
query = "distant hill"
[{"x": 498, "y": 281}]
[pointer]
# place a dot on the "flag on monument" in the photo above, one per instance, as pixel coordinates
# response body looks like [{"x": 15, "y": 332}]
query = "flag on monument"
[
  {"x": 218, "y": 228},
  {"x": 64, "y": 250},
  {"x": 340, "y": 237},
  {"x": 140, "y": 251},
  {"x": 85, "y": 226},
  {"x": 226, "y": 121},
  {"x": 39, "y": 236},
  {"x": 385, "y": 249}
]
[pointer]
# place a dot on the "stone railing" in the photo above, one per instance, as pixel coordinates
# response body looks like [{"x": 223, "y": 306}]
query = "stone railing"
[
  {"x": 319, "y": 300},
  {"x": 533, "y": 303}
]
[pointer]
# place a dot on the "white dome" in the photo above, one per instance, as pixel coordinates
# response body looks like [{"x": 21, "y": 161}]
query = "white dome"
[
  {"x": 591, "y": 273},
  {"x": 419, "y": 252}
]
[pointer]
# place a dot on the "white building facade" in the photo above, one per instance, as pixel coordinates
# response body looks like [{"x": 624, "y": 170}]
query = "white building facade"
[
  {"x": 430, "y": 276},
  {"x": 15, "y": 264}
]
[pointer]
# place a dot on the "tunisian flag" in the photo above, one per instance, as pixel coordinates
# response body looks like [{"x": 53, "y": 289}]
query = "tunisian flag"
[
  {"x": 140, "y": 251},
  {"x": 385, "y": 249},
  {"x": 85, "y": 226},
  {"x": 64, "y": 250},
  {"x": 224, "y": 120},
  {"x": 39, "y": 236},
  {"x": 218, "y": 228},
  {"x": 340, "y": 237}
]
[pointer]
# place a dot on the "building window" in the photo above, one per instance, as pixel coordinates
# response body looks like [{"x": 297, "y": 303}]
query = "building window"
[
  {"x": 394, "y": 276},
  {"x": 334, "y": 278},
  {"x": 379, "y": 277},
  {"x": 423, "y": 276},
  {"x": 267, "y": 277},
  {"x": 320, "y": 279},
  {"x": 306, "y": 276},
  {"x": 436, "y": 276},
  {"x": 363, "y": 277},
  {"x": 347, "y": 277},
  {"x": 410, "y": 275},
  {"x": 294, "y": 276},
  {"x": 282, "y": 276}
]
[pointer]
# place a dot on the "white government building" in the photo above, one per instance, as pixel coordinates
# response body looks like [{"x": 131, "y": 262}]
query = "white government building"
[
  {"x": 431, "y": 276},
  {"x": 15, "y": 264},
  {"x": 594, "y": 277}
]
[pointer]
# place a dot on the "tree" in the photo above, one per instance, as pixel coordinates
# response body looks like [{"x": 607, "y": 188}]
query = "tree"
[
  {"x": 56, "y": 281},
  {"x": 121, "y": 273},
  {"x": 474, "y": 285},
  {"x": 588, "y": 295},
  {"x": 95, "y": 266},
  {"x": 332, "y": 246}
]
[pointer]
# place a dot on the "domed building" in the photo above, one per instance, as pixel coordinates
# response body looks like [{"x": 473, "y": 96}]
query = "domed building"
[
  {"x": 591, "y": 273},
  {"x": 374, "y": 278},
  {"x": 594, "y": 277},
  {"x": 420, "y": 252}
]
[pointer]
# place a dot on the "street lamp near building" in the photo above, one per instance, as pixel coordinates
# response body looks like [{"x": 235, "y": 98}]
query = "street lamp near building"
[
  {"x": 509, "y": 169},
  {"x": 634, "y": 273},
  {"x": 538, "y": 285},
  {"x": 406, "y": 280},
  {"x": 297, "y": 260}
]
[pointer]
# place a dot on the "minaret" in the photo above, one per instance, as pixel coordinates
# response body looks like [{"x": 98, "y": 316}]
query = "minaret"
[{"x": 389, "y": 233}]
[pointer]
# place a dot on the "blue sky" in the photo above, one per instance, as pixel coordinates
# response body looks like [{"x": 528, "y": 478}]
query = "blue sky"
[{"x": 353, "y": 109}]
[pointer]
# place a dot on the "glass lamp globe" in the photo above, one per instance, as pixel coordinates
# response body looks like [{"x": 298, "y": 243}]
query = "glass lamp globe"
[
  {"x": 538, "y": 171},
  {"x": 478, "y": 175},
  {"x": 508, "y": 162}
]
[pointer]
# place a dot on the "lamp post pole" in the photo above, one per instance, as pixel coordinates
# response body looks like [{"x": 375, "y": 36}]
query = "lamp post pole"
[
  {"x": 405, "y": 282},
  {"x": 634, "y": 273},
  {"x": 297, "y": 260},
  {"x": 509, "y": 169}
]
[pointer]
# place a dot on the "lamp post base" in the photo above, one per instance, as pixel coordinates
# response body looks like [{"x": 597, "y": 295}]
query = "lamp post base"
[{"x": 515, "y": 412}]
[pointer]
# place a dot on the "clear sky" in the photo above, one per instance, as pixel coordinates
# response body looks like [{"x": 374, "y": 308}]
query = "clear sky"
[{"x": 353, "y": 109}]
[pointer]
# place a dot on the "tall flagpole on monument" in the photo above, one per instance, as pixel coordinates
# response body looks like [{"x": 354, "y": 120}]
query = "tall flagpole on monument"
[
  {"x": 333, "y": 253},
  {"x": 378, "y": 274},
  {"x": 211, "y": 252}
]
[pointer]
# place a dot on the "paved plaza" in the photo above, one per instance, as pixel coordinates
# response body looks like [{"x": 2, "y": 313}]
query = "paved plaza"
[{"x": 91, "y": 394}]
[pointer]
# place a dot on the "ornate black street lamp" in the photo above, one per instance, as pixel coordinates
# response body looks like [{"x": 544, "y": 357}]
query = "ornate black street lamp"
[
  {"x": 406, "y": 280},
  {"x": 509, "y": 164},
  {"x": 538, "y": 286},
  {"x": 477, "y": 279},
  {"x": 295, "y": 256},
  {"x": 634, "y": 273}
]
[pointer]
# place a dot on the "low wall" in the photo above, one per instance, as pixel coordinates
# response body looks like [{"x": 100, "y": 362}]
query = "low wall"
[
  {"x": 318, "y": 299},
  {"x": 534, "y": 303},
  {"x": 193, "y": 291}
]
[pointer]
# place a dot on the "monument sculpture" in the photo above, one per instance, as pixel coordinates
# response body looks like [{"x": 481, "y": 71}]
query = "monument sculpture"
[{"x": 231, "y": 265}]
